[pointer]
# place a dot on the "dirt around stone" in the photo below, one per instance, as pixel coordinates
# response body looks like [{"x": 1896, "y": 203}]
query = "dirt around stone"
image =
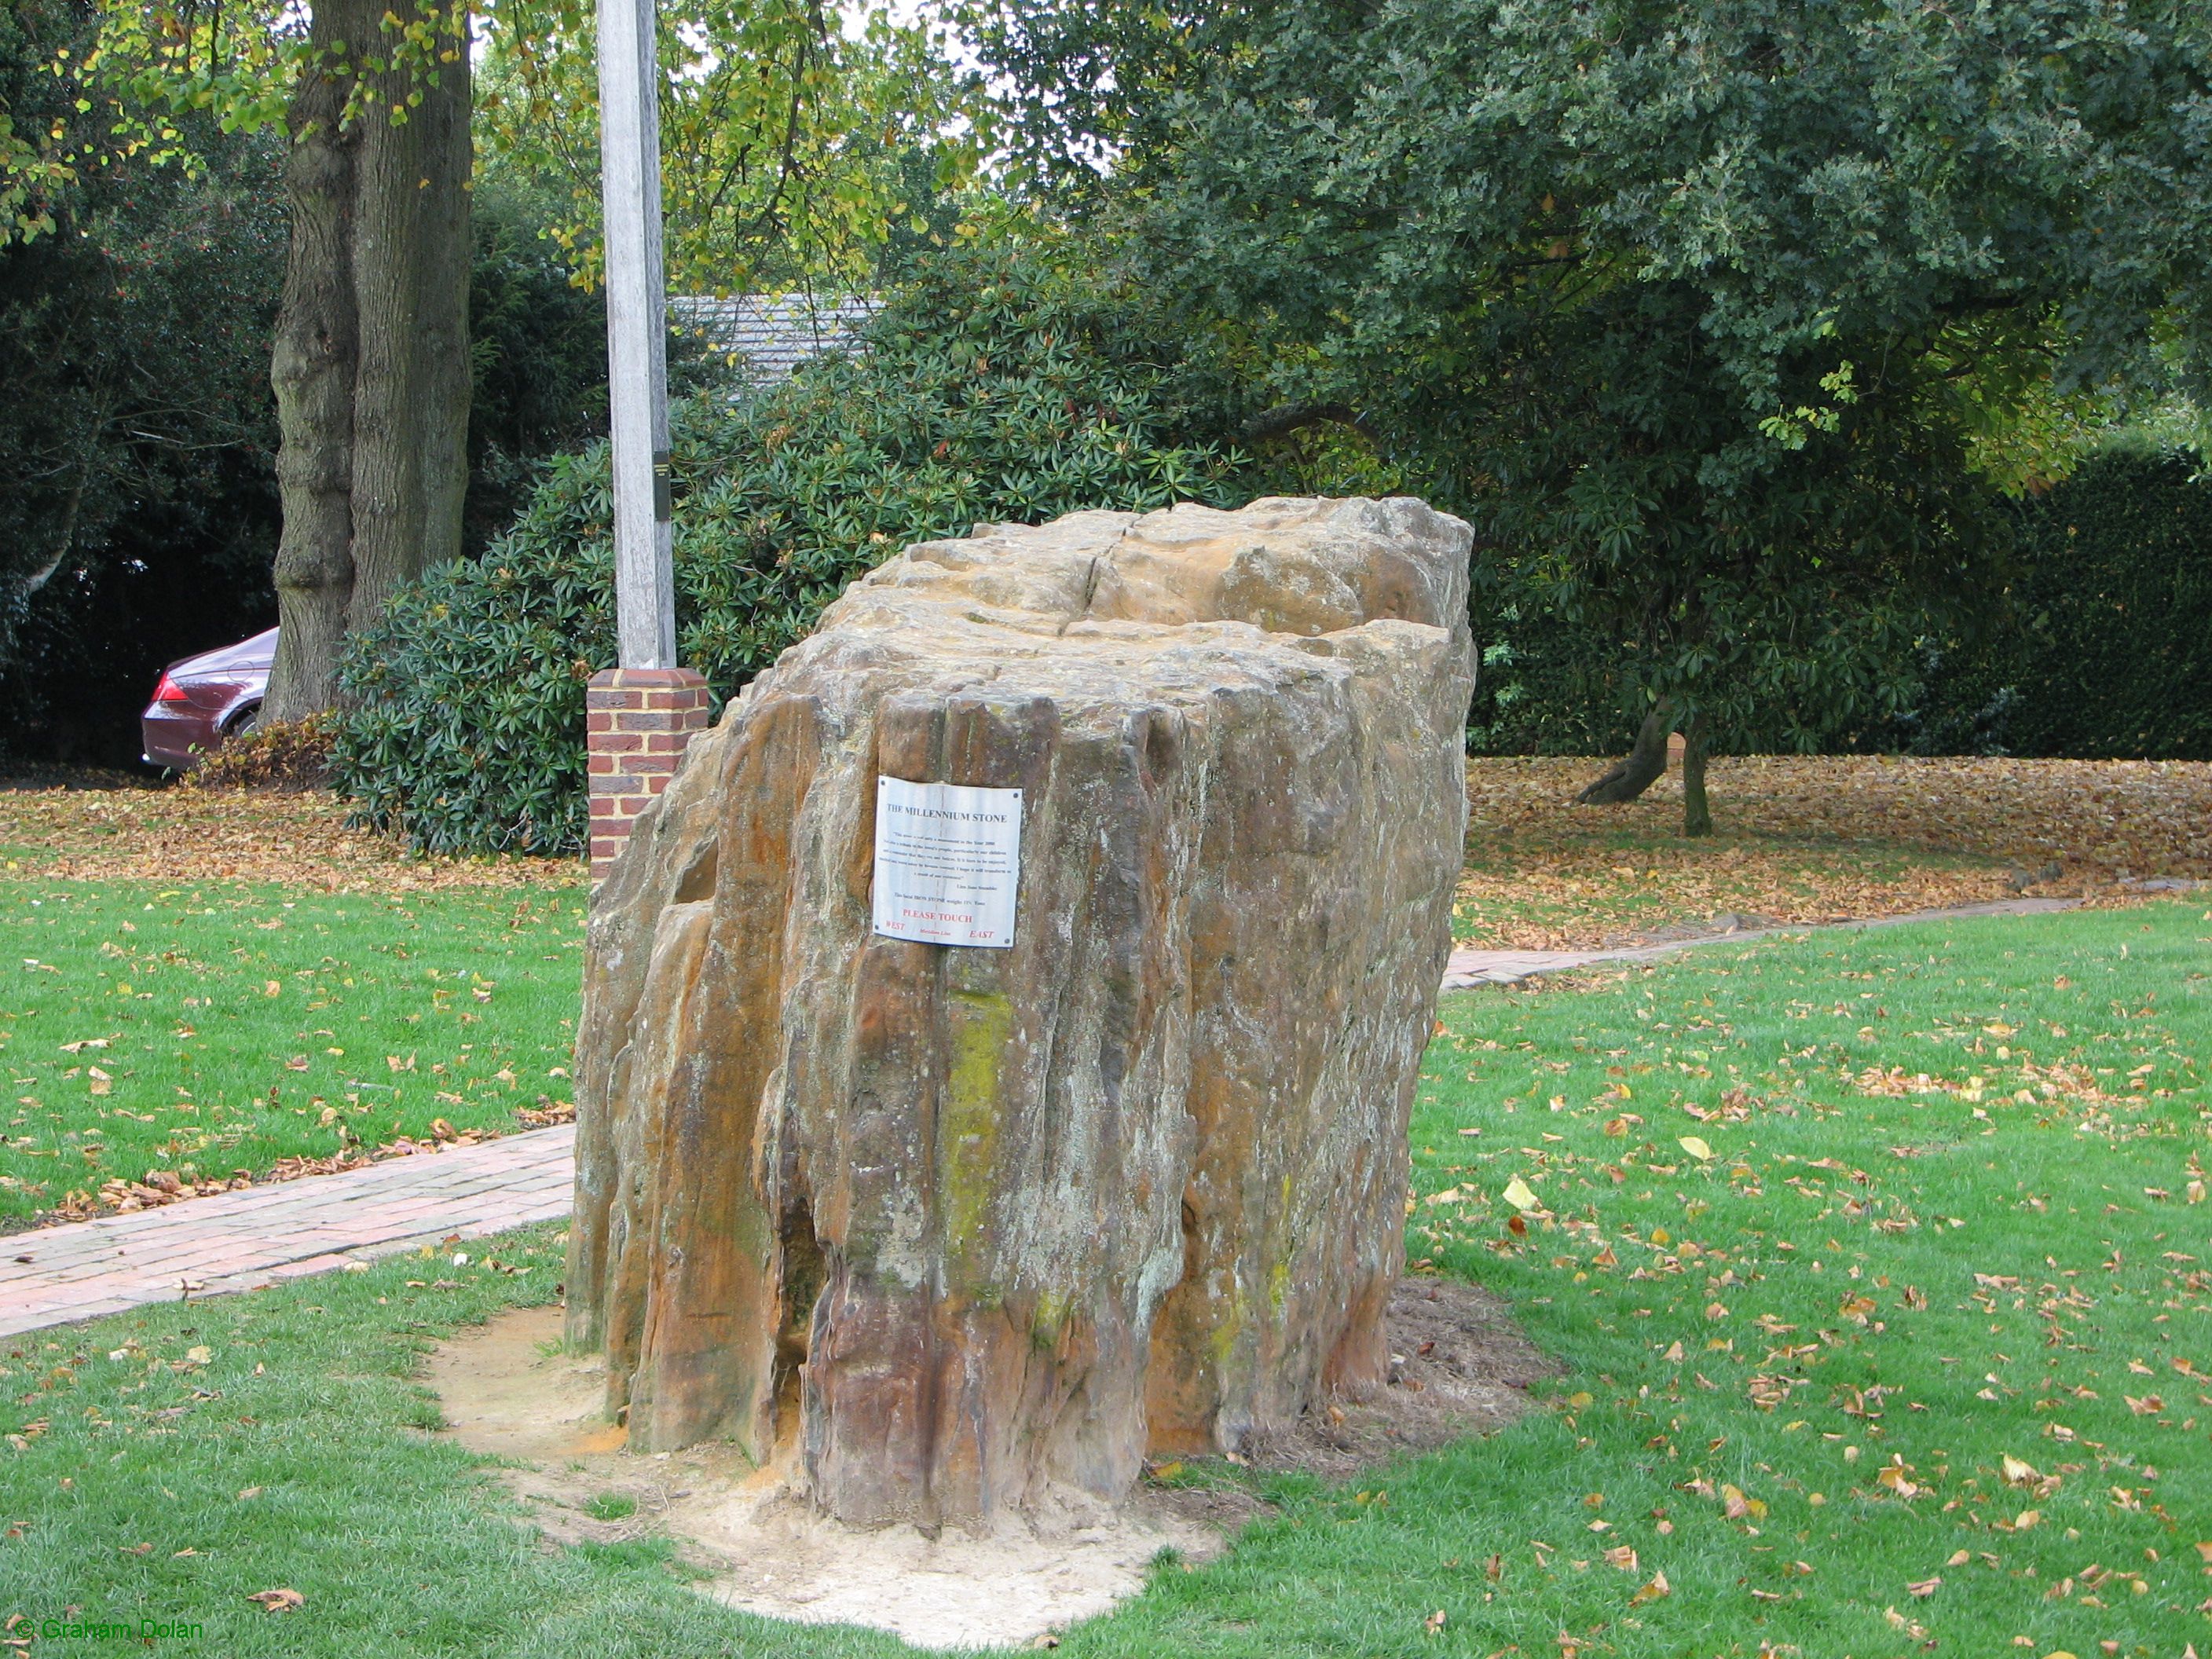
[
  {"x": 1460, "y": 1366},
  {"x": 509, "y": 1390}
]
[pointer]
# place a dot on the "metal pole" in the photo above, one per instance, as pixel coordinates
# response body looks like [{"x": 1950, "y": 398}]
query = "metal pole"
[{"x": 637, "y": 346}]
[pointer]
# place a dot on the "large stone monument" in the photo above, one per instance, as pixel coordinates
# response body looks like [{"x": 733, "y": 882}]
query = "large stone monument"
[{"x": 951, "y": 1228}]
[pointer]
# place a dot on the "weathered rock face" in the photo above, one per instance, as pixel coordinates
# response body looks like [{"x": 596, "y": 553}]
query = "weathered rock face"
[{"x": 954, "y": 1227}]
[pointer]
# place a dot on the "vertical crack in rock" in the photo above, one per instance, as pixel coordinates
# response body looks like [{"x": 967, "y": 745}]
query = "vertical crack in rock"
[{"x": 961, "y": 1233}]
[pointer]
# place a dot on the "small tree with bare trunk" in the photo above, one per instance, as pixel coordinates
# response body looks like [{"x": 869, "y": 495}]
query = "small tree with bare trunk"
[{"x": 1646, "y": 764}]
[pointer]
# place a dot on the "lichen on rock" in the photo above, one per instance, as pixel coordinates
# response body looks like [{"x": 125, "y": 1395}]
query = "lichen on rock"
[{"x": 954, "y": 1231}]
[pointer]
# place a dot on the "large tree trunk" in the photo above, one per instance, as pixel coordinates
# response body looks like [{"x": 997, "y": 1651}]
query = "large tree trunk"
[
  {"x": 1645, "y": 765},
  {"x": 312, "y": 369},
  {"x": 411, "y": 283},
  {"x": 371, "y": 363}
]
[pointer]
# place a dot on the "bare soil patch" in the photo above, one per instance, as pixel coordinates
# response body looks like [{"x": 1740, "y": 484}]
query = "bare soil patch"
[
  {"x": 294, "y": 839},
  {"x": 1809, "y": 839},
  {"x": 1459, "y": 1367}
]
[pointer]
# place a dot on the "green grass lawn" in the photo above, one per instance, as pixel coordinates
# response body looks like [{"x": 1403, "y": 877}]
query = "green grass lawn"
[
  {"x": 209, "y": 1030},
  {"x": 1842, "y": 1226},
  {"x": 1800, "y": 1351}
]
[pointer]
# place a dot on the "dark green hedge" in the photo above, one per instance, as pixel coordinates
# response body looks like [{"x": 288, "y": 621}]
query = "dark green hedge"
[
  {"x": 2100, "y": 644},
  {"x": 2103, "y": 646},
  {"x": 992, "y": 388}
]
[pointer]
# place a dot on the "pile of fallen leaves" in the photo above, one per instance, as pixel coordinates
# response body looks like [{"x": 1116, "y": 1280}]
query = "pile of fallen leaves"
[
  {"x": 160, "y": 1187},
  {"x": 196, "y": 834},
  {"x": 286, "y": 755},
  {"x": 1807, "y": 839},
  {"x": 546, "y": 1113}
]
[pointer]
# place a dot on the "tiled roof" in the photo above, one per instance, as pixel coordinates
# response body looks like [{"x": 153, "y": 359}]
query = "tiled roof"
[{"x": 771, "y": 334}]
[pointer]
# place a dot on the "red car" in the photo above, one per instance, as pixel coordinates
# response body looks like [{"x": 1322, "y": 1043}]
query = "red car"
[{"x": 203, "y": 700}]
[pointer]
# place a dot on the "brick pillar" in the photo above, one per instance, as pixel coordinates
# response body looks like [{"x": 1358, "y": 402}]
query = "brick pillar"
[{"x": 639, "y": 721}]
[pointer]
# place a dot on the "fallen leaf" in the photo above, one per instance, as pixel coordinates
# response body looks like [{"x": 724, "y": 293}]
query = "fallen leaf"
[
  {"x": 1521, "y": 1195},
  {"x": 1694, "y": 1145},
  {"x": 1898, "y": 1478},
  {"x": 1738, "y": 1506},
  {"x": 1924, "y": 1587},
  {"x": 1652, "y": 1591},
  {"x": 278, "y": 1601}
]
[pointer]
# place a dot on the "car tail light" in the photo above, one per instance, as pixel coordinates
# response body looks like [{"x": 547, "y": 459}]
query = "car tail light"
[{"x": 169, "y": 691}]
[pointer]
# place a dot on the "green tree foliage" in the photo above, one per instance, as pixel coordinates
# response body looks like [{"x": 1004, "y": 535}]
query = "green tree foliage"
[
  {"x": 137, "y": 516},
  {"x": 34, "y": 134},
  {"x": 538, "y": 343},
  {"x": 787, "y": 140},
  {"x": 1716, "y": 318},
  {"x": 796, "y": 144},
  {"x": 992, "y": 388},
  {"x": 792, "y": 148}
]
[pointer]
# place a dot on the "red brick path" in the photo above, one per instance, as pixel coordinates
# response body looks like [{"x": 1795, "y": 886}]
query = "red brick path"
[{"x": 245, "y": 1240}]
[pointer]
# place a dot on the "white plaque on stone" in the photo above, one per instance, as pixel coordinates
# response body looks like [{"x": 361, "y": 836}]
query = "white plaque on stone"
[{"x": 947, "y": 858}]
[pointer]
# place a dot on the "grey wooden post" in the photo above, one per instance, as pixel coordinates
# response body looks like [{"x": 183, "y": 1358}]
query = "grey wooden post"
[{"x": 637, "y": 346}]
